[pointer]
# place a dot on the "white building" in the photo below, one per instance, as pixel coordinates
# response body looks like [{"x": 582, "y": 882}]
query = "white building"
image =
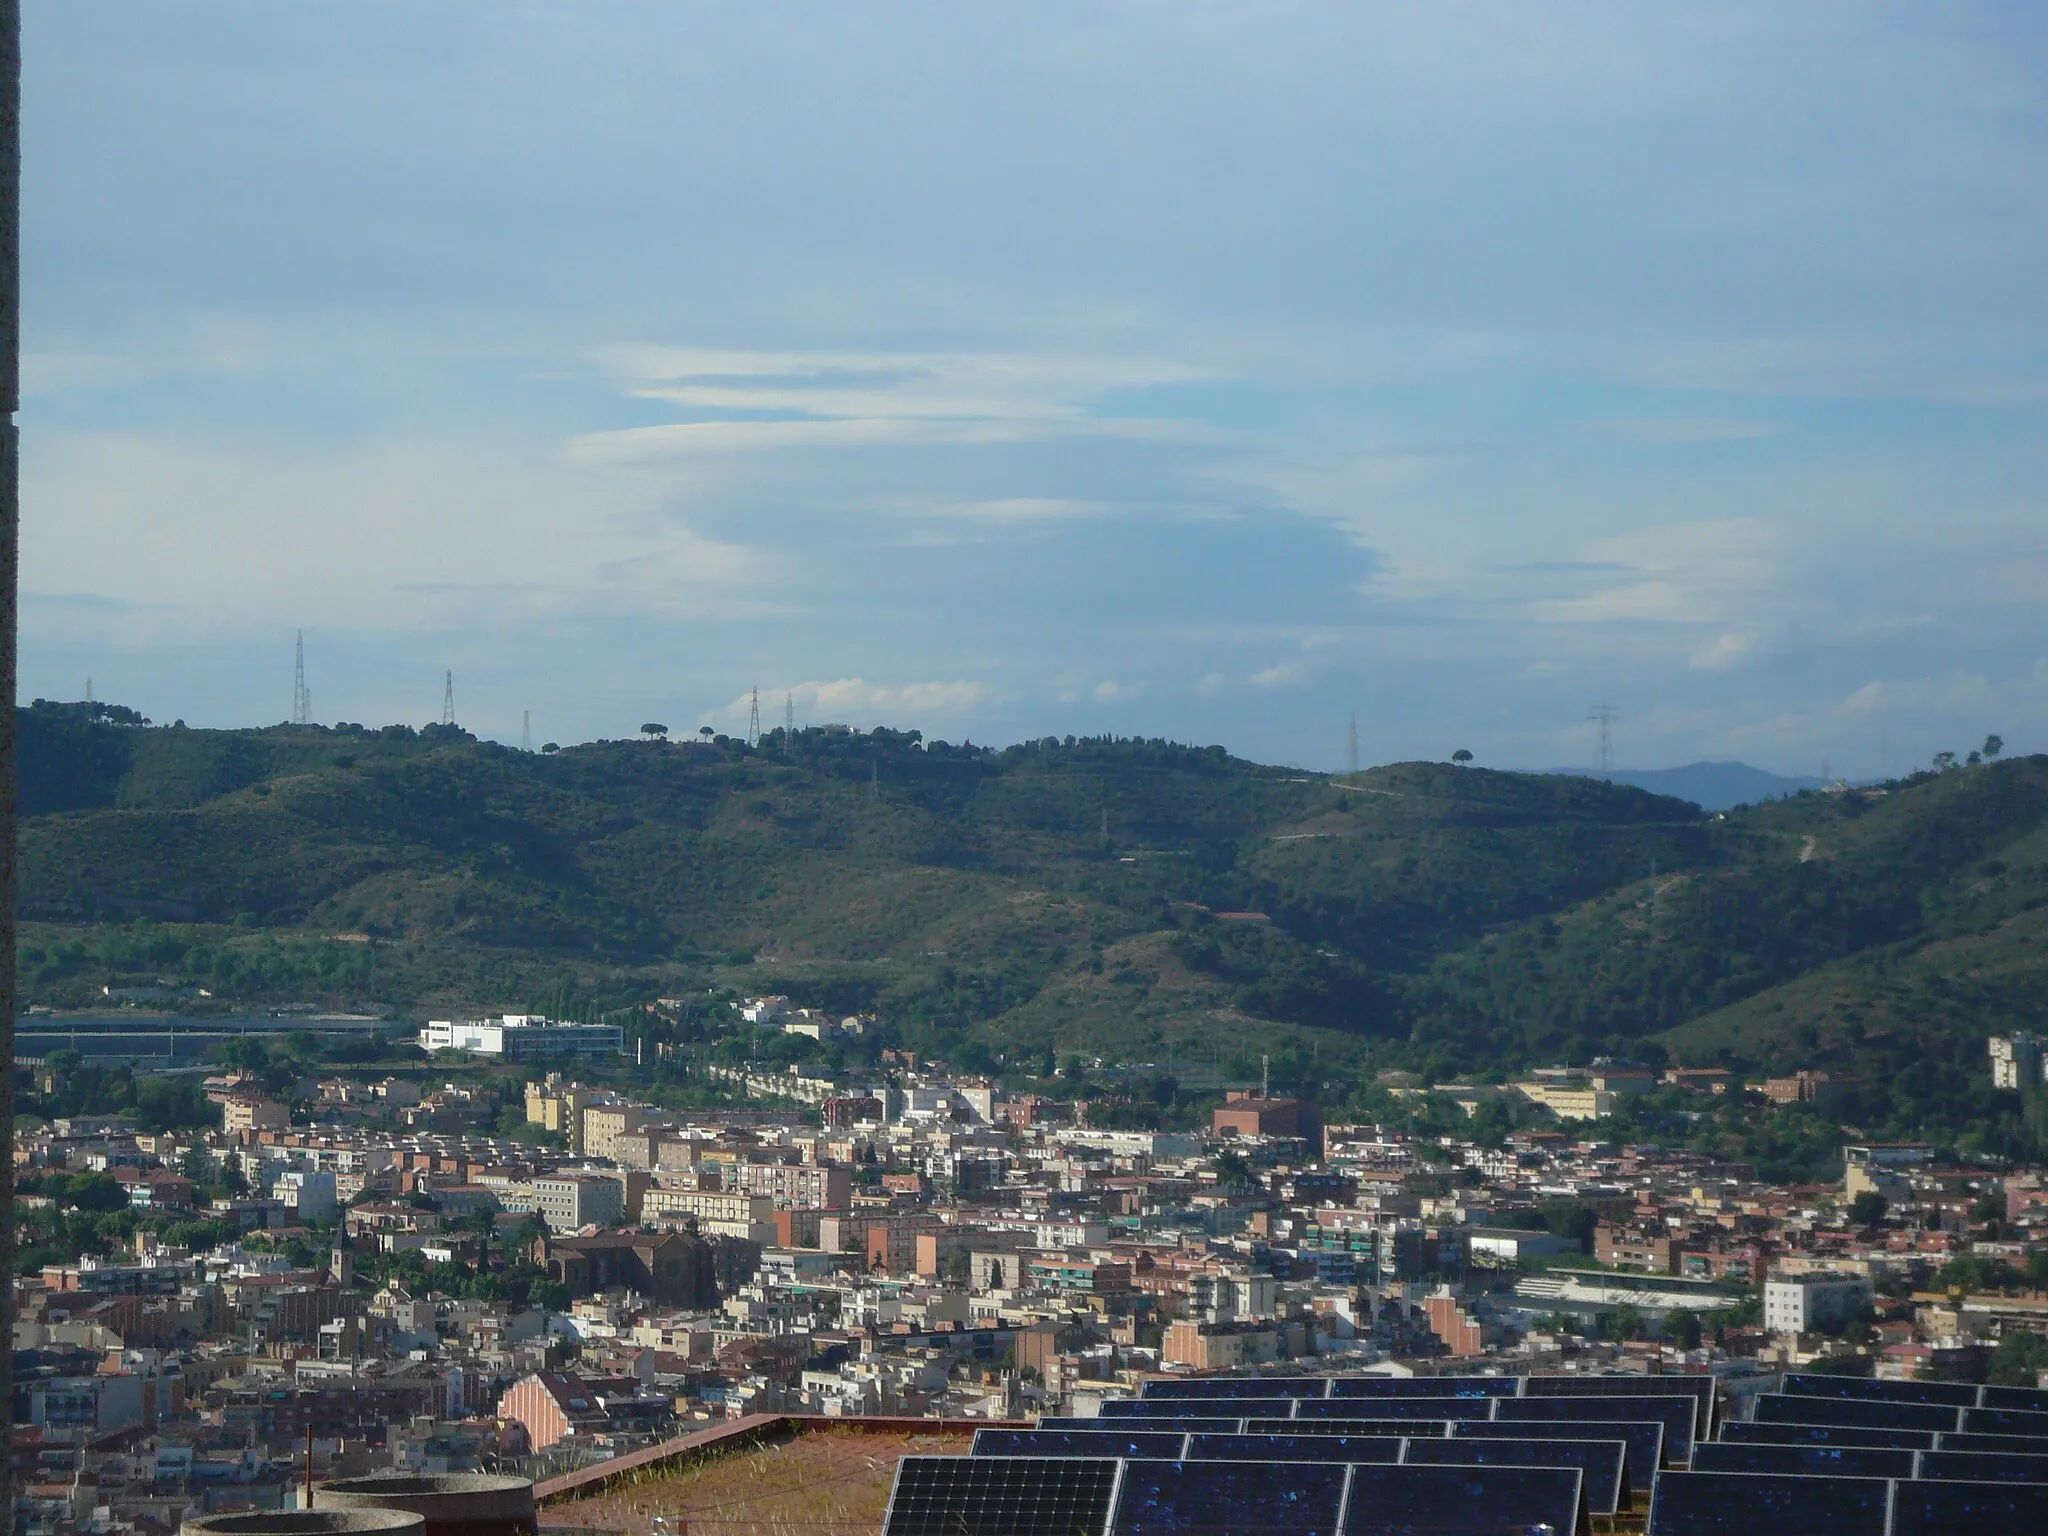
[
  {"x": 569, "y": 1202},
  {"x": 311, "y": 1191},
  {"x": 523, "y": 1037},
  {"x": 1801, "y": 1304},
  {"x": 2018, "y": 1060}
]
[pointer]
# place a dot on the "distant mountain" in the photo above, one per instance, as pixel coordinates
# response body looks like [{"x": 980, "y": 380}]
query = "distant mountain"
[
  {"x": 1135, "y": 900},
  {"x": 1710, "y": 786}
]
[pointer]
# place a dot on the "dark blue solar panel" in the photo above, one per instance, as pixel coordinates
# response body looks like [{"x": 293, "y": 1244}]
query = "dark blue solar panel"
[
  {"x": 1177, "y": 1424},
  {"x": 1811, "y": 1460},
  {"x": 1643, "y": 1437},
  {"x": 1463, "y": 1501},
  {"x": 1972, "y": 1509},
  {"x": 1398, "y": 1408},
  {"x": 1426, "y": 1386},
  {"x": 1432, "y": 1428},
  {"x": 1736, "y": 1504},
  {"x": 999, "y": 1496},
  {"x": 1954, "y": 1394},
  {"x": 1983, "y": 1467},
  {"x": 2003, "y": 1421},
  {"x": 1602, "y": 1463},
  {"x": 1077, "y": 1442},
  {"x": 1170, "y": 1408},
  {"x": 2032, "y": 1399},
  {"x": 1238, "y": 1386},
  {"x": 1700, "y": 1388},
  {"x": 1828, "y": 1434},
  {"x": 1774, "y": 1408},
  {"x": 1168, "y": 1498},
  {"x": 1295, "y": 1448},
  {"x": 1674, "y": 1413},
  {"x": 2024, "y": 1445}
]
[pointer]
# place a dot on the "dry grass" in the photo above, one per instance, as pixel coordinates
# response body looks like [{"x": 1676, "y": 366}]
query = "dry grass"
[{"x": 825, "y": 1483}]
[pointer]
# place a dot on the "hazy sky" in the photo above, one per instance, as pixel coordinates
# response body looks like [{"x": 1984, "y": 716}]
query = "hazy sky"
[{"x": 1200, "y": 370}]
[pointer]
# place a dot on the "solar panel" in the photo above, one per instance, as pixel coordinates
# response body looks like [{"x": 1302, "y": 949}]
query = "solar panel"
[
  {"x": 1078, "y": 1442},
  {"x": 1175, "y": 1408},
  {"x": 1259, "y": 1498},
  {"x": 2032, "y": 1399},
  {"x": 1702, "y": 1388},
  {"x": 1674, "y": 1413},
  {"x": 999, "y": 1496},
  {"x": 1398, "y": 1408},
  {"x": 1828, "y": 1434},
  {"x": 1644, "y": 1439},
  {"x": 1954, "y": 1394},
  {"x": 1463, "y": 1501},
  {"x": 2024, "y": 1445},
  {"x": 1981, "y": 1509},
  {"x": 2003, "y": 1421},
  {"x": 1430, "y": 1428},
  {"x": 1739, "y": 1504},
  {"x": 1426, "y": 1386},
  {"x": 1811, "y": 1460},
  {"x": 1982, "y": 1467},
  {"x": 1237, "y": 1386},
  {"x": 1775, "y": 1408},
  {"x": 1603, "y": 1464},
  {"x": 1285, "y": 1447},
  {"x": 1175, "y": 1425}
]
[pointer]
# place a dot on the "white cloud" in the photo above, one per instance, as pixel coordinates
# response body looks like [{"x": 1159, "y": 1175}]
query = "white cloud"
[
  {"x": 1108, "y": 692},
  {"x": 1725, "y": 651},
  {"x": 1023, "y": 509},
  {"x": 1280, "y": 675},
  {"x": 817, "y": 702}
]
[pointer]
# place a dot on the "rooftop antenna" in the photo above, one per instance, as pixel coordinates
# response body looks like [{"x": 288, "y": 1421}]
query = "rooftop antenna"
[
  {"x": 754, "y": 719},
  {"x": 1352, "y": 756},
  {"x": 1604, "y": 716},
  {"x": 448, "y": 698},
  {"x": 526, "y": 730},
  {"x": 302, "y": 700}
]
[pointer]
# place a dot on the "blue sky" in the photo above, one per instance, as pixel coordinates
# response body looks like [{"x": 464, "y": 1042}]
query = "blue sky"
[{"x": 1208, "y": 371}]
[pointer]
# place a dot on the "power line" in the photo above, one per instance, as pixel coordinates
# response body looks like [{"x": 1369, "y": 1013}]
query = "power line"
[
  {"x": 448, "y": 698},
  {"x": 1604, "y": 716},
  {"x": 302, "y": 698}
]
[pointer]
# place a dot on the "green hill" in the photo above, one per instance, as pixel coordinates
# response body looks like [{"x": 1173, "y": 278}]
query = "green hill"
[{"x": 1135, "y": 899}]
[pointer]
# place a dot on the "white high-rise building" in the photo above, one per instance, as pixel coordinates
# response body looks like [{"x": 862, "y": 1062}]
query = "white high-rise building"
[{"x": 2018, "y": 1060}]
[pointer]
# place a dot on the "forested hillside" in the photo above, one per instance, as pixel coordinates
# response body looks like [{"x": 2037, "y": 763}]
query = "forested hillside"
[{"x": 1134, "y": 899}]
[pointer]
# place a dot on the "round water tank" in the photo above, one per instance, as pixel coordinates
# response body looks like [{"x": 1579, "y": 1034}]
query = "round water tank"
[
  {"x": 451, "y": 1503},
  {"x": 306, "y": 1522}
]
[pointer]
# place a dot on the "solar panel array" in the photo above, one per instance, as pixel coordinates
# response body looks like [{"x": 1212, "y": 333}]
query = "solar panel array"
[
  {"x": 1501, "y": 1456},
  {"x": 1861, "y": 1457}
]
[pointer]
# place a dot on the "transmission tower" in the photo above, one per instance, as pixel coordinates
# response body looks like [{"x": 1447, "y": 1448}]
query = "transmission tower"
[
  {"x": 526, "y": 730},
  {"x": 788, "y": 725},
  {"x": 874, "y": 780},
  {"x": 302, "y": 699},
  {"x": 754, "y": 720},
  {"x": 1604, "y": 716},
  {"x": 448, "y": 698},
  {"x": 1352, "y": 756}
]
